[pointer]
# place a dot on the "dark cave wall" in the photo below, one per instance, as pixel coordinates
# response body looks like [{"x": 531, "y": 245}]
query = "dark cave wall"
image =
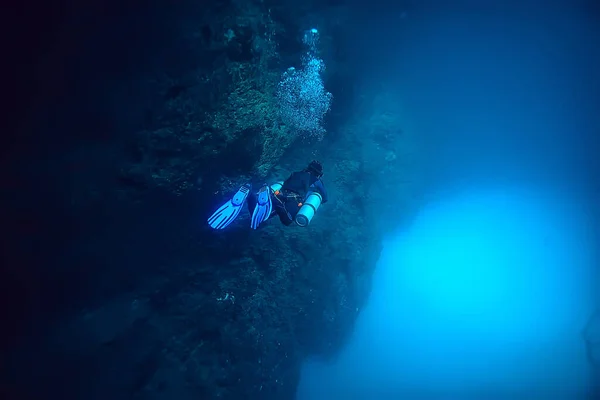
[
  {"x": 112, "y": 279},
  {"x": 71, "y": 63}
]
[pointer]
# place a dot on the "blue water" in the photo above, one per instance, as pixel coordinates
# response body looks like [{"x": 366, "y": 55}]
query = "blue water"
[{"x": 484, "y": 293}]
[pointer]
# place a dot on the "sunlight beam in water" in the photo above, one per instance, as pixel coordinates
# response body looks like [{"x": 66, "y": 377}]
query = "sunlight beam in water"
[{"x": 486, "y": 292}]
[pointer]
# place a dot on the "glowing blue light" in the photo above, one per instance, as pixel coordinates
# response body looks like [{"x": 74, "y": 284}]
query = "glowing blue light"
[
  {"x": 484, "y": 290},
  {"x": 313, "y": 30}
]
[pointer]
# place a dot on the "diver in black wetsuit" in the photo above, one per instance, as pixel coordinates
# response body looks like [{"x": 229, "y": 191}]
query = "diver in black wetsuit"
[
  {"x": 297, "y": 199},
  {"x": 294, "y": 195}
]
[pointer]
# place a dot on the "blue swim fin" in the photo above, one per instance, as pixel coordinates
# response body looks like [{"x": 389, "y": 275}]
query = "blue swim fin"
[
  {"x": 229, "y": 211},
  {"x": 263, "y": 208}
]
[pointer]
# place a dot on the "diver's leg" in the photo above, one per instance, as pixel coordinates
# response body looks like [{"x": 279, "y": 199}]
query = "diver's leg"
[{"x": 282, "y": 211}]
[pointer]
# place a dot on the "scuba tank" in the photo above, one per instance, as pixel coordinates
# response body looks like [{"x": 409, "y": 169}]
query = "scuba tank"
[{"x": 308, "y": 209}]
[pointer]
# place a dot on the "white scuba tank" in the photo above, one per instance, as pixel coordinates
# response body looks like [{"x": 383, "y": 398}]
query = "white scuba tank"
[{"x": 309, "y": 208}]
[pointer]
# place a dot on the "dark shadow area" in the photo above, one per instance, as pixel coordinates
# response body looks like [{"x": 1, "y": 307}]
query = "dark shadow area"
[{"x": 112, "y": 285}]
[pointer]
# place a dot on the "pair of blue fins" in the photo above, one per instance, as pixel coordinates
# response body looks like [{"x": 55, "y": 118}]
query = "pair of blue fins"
[{"x": 229, "y": 211}]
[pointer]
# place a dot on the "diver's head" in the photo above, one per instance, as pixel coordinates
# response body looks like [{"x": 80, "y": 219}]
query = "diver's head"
[{"x": 315, "y": 168}]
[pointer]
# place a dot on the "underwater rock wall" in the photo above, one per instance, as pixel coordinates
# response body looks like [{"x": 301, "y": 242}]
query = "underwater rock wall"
[{"x": 162, "y": 113}]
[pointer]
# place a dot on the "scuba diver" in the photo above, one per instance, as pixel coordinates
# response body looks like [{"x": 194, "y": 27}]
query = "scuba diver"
[{"x": 297, "y": 199}]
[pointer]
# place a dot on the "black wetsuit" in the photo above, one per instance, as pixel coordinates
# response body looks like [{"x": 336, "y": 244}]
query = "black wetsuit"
[{"x": 292, "y": 194}]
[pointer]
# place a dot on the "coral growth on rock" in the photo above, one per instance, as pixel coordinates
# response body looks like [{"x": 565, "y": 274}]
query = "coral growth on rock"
[{"x": 140, "y": 299}]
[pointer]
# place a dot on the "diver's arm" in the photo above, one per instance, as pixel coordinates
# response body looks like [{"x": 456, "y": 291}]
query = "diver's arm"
[{"x": 321, "y": 188}]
